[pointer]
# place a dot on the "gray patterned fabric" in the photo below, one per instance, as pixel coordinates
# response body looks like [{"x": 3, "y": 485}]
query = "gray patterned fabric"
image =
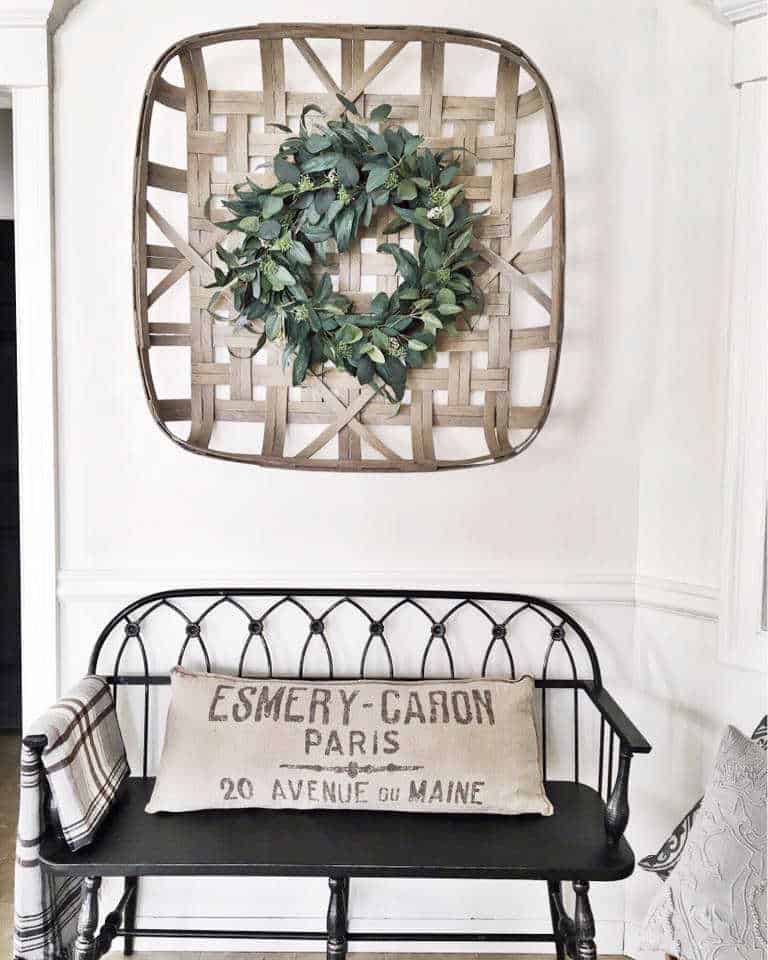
[
  {"x": 664, "y": 861},
  {"x": 84, "y": 762},
  {"x": 713, "y": 906}
]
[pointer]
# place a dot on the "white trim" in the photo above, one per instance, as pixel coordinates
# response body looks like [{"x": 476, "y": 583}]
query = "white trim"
[
  {"x": 750, "y": 51},
  {"x": 737, "y": 11},
  {"x": 673, "y": 596},
  {"x": 745, "y": 479},
  {"x": 33, "y": 209},
  {"x": 5, "y": 99},
  {"x": 677, "y": 596},
  {"x": 34, "y": 17},
  {"x": 24, "y": 70}
]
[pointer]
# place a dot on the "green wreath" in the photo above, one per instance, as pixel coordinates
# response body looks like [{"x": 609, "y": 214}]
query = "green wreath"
[{"x": 339, "y": 172}]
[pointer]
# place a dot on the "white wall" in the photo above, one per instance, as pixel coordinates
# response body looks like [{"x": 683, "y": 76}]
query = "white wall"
[
  {"x": 624, "y": 480},
  {"x": 6, "y": 166}
]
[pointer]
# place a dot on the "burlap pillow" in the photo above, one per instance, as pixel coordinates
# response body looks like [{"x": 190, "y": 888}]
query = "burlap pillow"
[{"x": 466, "y": 746}]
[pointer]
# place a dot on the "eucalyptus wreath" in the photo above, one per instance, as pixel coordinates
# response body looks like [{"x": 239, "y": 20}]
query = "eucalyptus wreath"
[{"x": 331, "y": 177}]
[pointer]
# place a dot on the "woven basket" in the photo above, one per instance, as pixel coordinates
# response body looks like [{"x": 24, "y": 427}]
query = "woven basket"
[{"x": 198, "y": 139}]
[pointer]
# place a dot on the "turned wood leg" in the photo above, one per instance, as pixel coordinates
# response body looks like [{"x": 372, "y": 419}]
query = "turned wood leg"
[
  {"x": 87, "y": 921},
  {"x": 337, "y": 918},
  {"x": 583, "y": 923},
  {"x": 617, "y": 808},
  {"x": 560, "y": 920},
  {"x": 129, "y": 921}
]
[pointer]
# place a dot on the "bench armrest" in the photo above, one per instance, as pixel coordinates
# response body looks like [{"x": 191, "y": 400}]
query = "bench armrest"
[
  {"x": 629, "y": 736},
  {"x": 631, "y": 741}
]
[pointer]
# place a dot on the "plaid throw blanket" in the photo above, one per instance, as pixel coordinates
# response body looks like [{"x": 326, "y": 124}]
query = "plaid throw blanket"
[{"x": 85, "y": 763}]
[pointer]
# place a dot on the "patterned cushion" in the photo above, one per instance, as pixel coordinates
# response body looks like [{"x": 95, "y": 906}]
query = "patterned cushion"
[
  {"x": 713, "y": 906},
  {"x": 663, "y": 862}
]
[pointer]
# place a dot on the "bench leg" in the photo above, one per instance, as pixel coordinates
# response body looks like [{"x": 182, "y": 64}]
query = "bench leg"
[
  {"x": 583, "y": 923},
  {"x": 129, "y": 917},
  {"x": 337, "y": 918},
  {"x": 87, "y": 921},
  {"x": 559, "y": 918}
]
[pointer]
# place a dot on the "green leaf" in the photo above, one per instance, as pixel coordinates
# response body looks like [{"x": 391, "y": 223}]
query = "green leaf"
[
  {"x": 417, "y": 345},
  {"x": 343, "y": 228},
  {"x": 408, "y": 293},
  {"x": 299, "y": 253},
  {"x": 317, "y": 143},
  {"x": 380, "y": 303},
  {"x": 323, "y": 200},
  {"x": 284, "y": 275},
  {"x": 394, "y": 372},
  {"x": 271, "y": 205},
  {"x": 381, "y": 112},
  {"x": 286, "y": 171},
  {"x": 320, "y": 162},
  {"x": 279, "y": 126},
  {"x": 408, "y": 215},
  {"x": 411, "y": 145},
  {"x": 300, "y": 363},
  {"x": 377, "y": 142},
  {"x": 406, "y": 190},
  {"x": 376, "y": 178},
  {"x": 395, "y": 224},
  {"x": 347, "y": 171},
  {"x": 347, "y": 104},
  {"x": 448, "y": 174},
  {"x": 407, "y": 265},
  {"x": 249, "y": 224},
  {"x": 365, "y": 371},
  {"x": 273, "y": 326},
  {"x": 350, "y": 333},
  {"x": 375, "y": 354},
  {"x": 380, "y": 339},
  {"x": 448, "y": 309},
  {"x": 269, "y": 230},
  {"x": 334, "y": 209},
  {"x": 317, "y": 234}
]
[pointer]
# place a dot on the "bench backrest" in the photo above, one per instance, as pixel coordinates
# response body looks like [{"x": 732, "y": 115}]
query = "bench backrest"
[{"x": 316, "y": 633}]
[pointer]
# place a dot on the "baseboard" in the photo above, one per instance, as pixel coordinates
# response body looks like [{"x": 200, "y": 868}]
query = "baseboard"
[{"x": 621, "y": 588}]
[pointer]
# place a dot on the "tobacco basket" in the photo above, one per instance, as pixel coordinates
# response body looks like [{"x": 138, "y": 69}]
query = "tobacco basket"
[{"x": 203, "y": 130}]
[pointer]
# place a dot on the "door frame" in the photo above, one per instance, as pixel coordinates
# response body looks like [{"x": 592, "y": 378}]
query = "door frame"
[{"x": 25, "y": 74}]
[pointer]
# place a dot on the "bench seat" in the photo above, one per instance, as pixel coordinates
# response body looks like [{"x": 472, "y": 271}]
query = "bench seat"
[{"x": 569, "y": 845}]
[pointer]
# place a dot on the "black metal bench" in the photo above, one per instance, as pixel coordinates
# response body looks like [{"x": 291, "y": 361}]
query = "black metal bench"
[{"x": 583, "y": 841}]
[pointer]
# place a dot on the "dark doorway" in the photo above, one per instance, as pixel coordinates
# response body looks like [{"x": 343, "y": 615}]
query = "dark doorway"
[{"x": 10, "y": 621}]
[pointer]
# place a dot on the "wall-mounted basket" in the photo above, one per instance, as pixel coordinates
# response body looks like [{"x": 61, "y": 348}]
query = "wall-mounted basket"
[{"x": 203, "y": 129}]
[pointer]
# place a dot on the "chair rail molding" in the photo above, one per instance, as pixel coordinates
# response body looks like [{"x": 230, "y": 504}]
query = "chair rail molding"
[
  {"x": 561, "y": 586},
  {"x": 25, "y": 73}
]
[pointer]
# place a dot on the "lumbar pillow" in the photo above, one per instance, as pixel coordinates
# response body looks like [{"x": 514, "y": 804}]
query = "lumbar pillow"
[
  {"x": 713, "y": 905},
  {"x": 466, "y": 746}
]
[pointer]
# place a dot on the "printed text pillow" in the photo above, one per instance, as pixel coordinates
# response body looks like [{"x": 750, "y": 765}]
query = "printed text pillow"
[{"x": 464, "y": 746}]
